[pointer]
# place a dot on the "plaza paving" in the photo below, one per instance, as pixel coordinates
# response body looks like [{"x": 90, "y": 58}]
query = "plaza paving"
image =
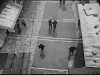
[
  {"x": 56, "y": 51},
  {"x": 36, "y": 15}
]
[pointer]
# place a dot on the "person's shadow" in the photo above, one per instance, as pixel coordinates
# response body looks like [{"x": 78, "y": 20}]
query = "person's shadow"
[{"x": 63, "y": 7}]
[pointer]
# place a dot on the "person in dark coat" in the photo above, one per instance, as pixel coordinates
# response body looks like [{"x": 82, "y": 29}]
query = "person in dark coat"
[
  {"x": 62, "y": 1},
  {"x": 54, "y": 27},
  {"x": 24, "y": 24},
  {"x": 41, "y": 47},
  {"x": 72, "y": 49},
  {"x": 54, "y": 24},
  {"x": 50, "y": 26}
]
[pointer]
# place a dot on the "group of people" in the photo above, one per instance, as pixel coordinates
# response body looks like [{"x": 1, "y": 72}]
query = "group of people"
[
  {"x": 52, "y": 27},
  {"x": 62, "y": 5}
]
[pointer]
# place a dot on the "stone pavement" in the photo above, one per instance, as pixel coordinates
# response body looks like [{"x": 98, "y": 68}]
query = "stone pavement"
[
  {"x": 21, "y": 47},
  {"x": 56, "y": 12},
  {"x": 16, "y": 50}
]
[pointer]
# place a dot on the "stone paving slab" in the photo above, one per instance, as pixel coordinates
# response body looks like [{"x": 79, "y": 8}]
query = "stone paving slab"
[
  {"x": 17, "y": 63},
  {"x": 3, "y": 57},
  {"x": 37, "y": 71},
  {"x": 28, "y": 9},
  {"x": 51, "y": 10},
  {"x": 36, "y": 27},
  {"x": 66, "y": 12},
  {"x": 39, "y": 9},
  {"x": 16, "y": 44},
  {"x": 8, "y": 63}
]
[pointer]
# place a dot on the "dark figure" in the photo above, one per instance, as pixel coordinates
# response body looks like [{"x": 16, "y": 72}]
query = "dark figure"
[
  {"x": 24, "y": 24},
  {"x": 71, "y": 50},
  {"x": 50, "y": 23},
  {"x": 18, "y": 1},
  {"x": 54, "y": 27},
  {"x": 41, "y": 47},
  {"x": 84, "y": 2},
  {"x": 79, "y": 26},
  {"x": 7, "y": 32},
  {"x": 79, "y": 23},
  {"x": 54, "y": 24},
  {"x": 62, "y": 1},
  {"x": 18, "y": 27},
  {"x": 96, "y": 26},
  {"x": 50, "y": 26},
  {"x": 62, "y": 5}
]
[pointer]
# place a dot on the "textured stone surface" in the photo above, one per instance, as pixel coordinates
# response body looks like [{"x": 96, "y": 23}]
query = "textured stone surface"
[
  {"x": 37, "y": 71},
  {"x": 39, "y": 9},
  {"x": 16, "y": 44},
  {"x": 28, "y": 9},
  {"x": 36, "y": 27}
]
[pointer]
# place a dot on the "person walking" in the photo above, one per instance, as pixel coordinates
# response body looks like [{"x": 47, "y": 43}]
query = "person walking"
[
  {"x": 62, "y": 2},
  {"x": 50, "y": 26},
  {"x": 62, "y": 5},
  {"x": 24, "y": 24},
  {"x": 41, "y": 47},
  {"x": 54, "y": 27},
  {"x": 72, "y": 49}
]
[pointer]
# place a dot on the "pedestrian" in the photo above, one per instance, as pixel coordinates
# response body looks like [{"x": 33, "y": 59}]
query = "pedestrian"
[
  {"x": 50, "y": 25},
  {"x": 41, "y": 47},
  {"x": 79, "y": 23},
  {"x": 72, "y": 49},
  {"x": 24, "y": 24},
  {"x": 82, "y": 2},
  {"x": 54, "y": 26},
  {"x": 7, "y": 32},
  {"x": 62, "y": 5},
  {"x": 62, "y": 2}
]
